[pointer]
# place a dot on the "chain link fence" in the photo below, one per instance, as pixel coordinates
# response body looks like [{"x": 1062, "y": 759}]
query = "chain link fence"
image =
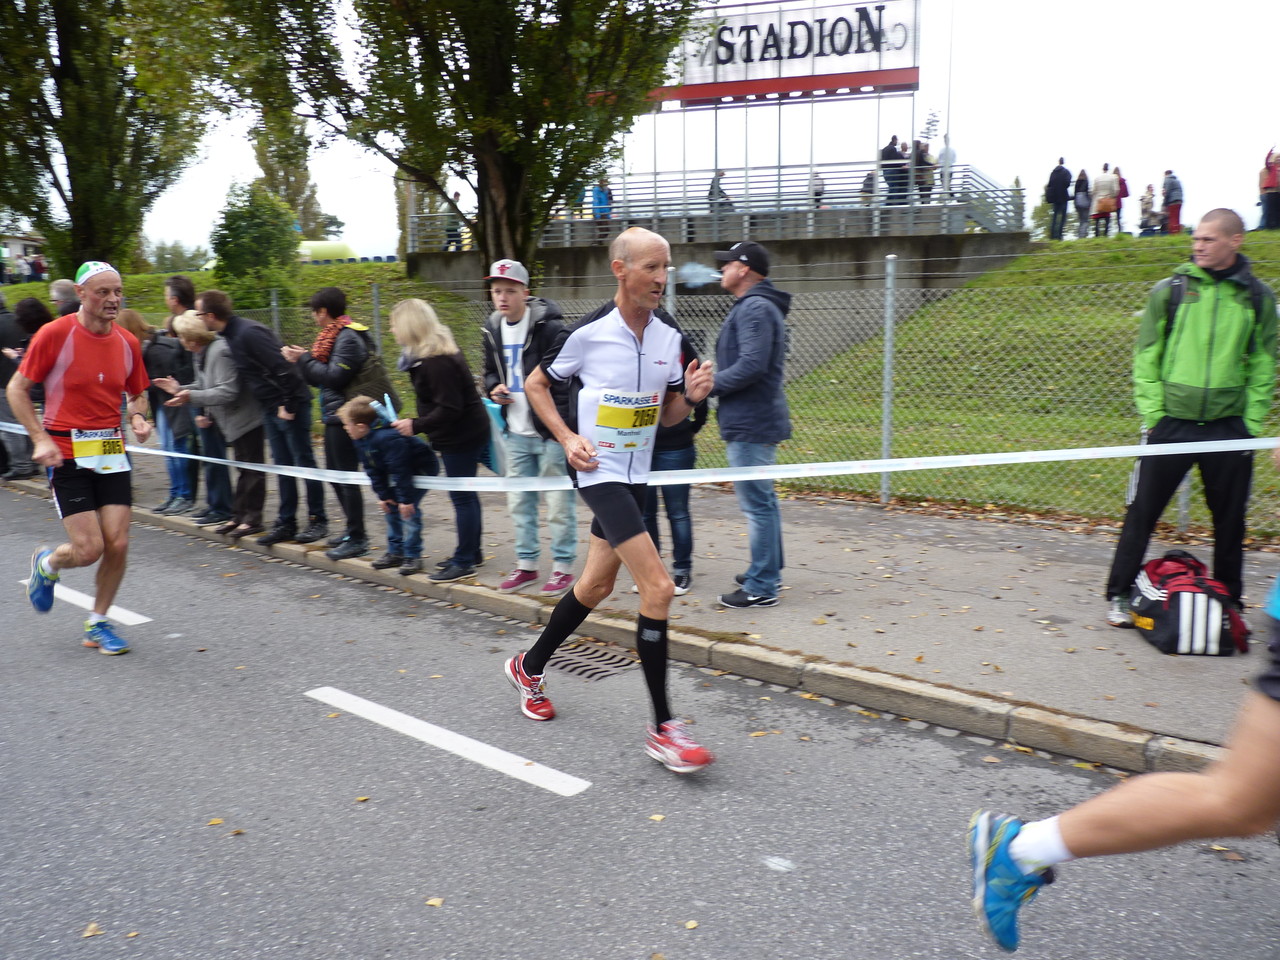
[{"x": 971, "y": 371}]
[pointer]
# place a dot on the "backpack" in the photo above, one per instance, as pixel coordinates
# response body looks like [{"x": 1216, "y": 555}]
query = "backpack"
[
  {"x": 1179, "y": 609},
  {"x": 372, "y": 379}
]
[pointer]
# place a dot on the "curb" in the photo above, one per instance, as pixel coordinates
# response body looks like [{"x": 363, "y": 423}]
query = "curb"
[{"x": 1021, "y": 724}]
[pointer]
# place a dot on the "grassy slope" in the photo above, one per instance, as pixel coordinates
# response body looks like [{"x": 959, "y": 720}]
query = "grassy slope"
[{"x": 1062, "y": 350}]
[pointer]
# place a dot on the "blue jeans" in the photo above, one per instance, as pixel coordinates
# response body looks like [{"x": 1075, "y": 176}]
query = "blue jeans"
[
  {"x": 535, "y": 457},
  {"x": 676, "y": 498},
  {"x": 290, "y": 442},
  {"x": 404, "y": 537},
  {"x": 179, "y": 469},
  {"x": 466, "y": 505},
  {"x": 764, "y": 523},
  {"x": 217, "y": 476}
]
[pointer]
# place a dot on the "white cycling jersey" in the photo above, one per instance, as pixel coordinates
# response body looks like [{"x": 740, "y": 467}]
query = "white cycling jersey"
[{"x": 618, "y": 387}]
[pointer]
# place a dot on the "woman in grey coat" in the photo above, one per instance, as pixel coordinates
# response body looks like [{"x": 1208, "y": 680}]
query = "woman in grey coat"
[{"x": 228, "y": 413}]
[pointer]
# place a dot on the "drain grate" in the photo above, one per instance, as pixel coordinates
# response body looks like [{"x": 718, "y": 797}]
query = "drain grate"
[{"x": 591, "y": 662}]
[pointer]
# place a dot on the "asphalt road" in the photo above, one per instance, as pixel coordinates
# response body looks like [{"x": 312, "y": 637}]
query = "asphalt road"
[{"x": 821, "y": 831}]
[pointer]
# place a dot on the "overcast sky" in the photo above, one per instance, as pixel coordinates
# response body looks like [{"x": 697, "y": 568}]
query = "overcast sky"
[{"x": 1141, "y": 84}]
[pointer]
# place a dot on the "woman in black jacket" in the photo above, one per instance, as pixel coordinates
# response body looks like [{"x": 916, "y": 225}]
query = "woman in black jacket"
[{"x": 451, "y": 416}]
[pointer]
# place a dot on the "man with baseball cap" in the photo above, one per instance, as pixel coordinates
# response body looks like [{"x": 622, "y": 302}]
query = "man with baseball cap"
[
  {"x": 517, "y": 335},
  {"x": 79, "y": 443},
  {"x": 753, "y": 414}
]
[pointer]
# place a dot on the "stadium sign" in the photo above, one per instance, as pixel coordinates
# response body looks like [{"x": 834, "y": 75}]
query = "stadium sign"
[{"x": 796, "y": 50}]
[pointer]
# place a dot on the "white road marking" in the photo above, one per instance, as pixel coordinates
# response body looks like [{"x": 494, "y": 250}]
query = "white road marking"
[
  {"x": 85, "y": 602},
  {"x": 482, "y": 753}
]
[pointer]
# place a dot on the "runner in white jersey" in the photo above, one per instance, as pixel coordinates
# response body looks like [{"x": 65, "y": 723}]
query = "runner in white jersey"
[{"x": 623, "y": 365}]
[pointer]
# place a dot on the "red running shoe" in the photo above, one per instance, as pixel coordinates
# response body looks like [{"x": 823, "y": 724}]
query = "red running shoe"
[
  {"x": 672, "y": 747},
  {"x": 533, "y": 702}
]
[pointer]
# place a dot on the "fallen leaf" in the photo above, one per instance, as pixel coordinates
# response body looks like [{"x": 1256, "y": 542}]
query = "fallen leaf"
[
  {"x": 231, "y": 574},
  {"x": 1024, "y": 749},
  {"x": 806, "y": 738},
  {"x": 1218, "y": 847},
  {"x": 236, "y": 833},
  {"x": 402, "y": 671},
  {"x": 658, "y": 817},
  {"x": 436, "y": 902},
  {"x": 1151, "y": 704},
  {"x": 130, "y": 936},
  {"x": 361, "y": 799},
  {"x": 1069, "y": 650},
  {"x": 766, "y": 698},
  {"x": 991, "y": 760},
  {"x": 1233, "y": 856},
  {"x": 92, "y": 930},
  {"x": 315, "y": 596},
  {"x": 810, "y": 696},
  {"x": 436, "y": 676},
  {"x": 1107, "y": 696},
  {"x": 330, "y": 716},
  {"x": 920, "y": 659},
  {"x": 978, "y": 629},
  {"x": 759, "y": 733},
  {"x": 216, "y": 821},
  {"x": 691, "y": 925}
]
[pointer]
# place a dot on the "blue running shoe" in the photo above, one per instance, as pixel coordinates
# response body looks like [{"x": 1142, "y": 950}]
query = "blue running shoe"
[
  {"x": 101, "y": 635},
  {"x": 1000, "y": 888},
  {"x": 40, "y": 586}
]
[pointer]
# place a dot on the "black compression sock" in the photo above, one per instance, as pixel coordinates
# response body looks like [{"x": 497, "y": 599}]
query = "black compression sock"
[
  {"x": 565, "y": 618},
  {"x": 651, "y": 644}
]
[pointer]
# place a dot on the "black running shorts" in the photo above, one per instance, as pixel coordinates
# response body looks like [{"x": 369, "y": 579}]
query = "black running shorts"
[
  {"x": 77, "y": 490},
  {"x": 618, "y": 510},
  {"x": 1268, "y": 681}
]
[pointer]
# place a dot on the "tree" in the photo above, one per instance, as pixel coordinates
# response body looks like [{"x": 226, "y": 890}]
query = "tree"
[
  {"x": 256, "y": 247},
  {"x": 88, "y": 145},
  {"x": 524, "y": 99},
  {"x": 281, "y": 146},
  {"x": 174, "y": 257}
]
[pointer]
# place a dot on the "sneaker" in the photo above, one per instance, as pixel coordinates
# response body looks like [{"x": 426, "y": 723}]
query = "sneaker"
[
  {"x": 517, "y": 579},
  {"x": 411, "y": 566},
  {"x": 441, "y": 564},
  {"x": 279, "y": 534},
  {"x": 164, "y": 506},
  {"x": 180, "y": 505},
  {"x": 741, "y": 600},
  {"x": 209, "y": 519},
  {"x": 99, "y": 634},
  {"x": 336, "y": 540},
  {"x": 40, "y": 586},
  {"x": 672, "y": 747},
  {"x": 558, "y": 584},
  {"x": 315, "y": 530},
  {"x": 451, "y": 573},
  {"x": 683, "y": 582},
  {"x": 387, "y": 561},
  {"x": 533, "y": 701},
  {"x": 1118, "y": 613},
  {"x": 347, "y": 549},
  {"x": 1000, "y": 888}
]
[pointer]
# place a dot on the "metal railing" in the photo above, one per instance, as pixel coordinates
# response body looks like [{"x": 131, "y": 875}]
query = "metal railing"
[{"x": 868, "y": 199}]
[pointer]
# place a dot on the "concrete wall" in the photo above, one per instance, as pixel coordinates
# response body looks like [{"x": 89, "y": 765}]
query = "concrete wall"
[{"x": 938, "y": 261}]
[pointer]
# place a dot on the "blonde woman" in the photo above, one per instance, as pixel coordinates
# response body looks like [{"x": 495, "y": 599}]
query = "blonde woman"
[{"x": 451, "y": 416}]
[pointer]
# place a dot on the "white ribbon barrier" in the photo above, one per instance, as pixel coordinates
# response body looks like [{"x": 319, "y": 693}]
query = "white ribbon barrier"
[{"x": 779, "y": 471}]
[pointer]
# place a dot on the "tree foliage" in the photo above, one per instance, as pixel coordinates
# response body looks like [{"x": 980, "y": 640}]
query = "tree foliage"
[
  {"x": 281, "y": 147},
  {"x": 173, "y": 257},
  {"x": 88, "y": 145},
  {"x": 524, "y": 99},
  {"x": 256, "y": 247}
]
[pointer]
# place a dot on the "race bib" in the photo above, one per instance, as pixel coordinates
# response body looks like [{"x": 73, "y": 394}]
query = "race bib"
[
  {"x": 101, "y": 451},
  {"x": 627, "y": 422}
]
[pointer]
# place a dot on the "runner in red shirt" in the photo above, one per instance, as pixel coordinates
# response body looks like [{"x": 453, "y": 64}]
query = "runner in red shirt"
[{"x": 86, "y": 363}]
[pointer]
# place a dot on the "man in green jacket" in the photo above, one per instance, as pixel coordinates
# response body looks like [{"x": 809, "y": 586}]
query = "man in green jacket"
[{"x": 1205, "y": 373}]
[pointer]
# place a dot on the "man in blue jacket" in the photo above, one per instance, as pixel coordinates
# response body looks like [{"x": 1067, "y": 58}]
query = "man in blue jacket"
[{"x": 753, "y": 415}]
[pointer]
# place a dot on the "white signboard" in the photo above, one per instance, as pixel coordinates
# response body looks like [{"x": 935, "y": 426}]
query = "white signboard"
[{"x": 791, "y": 40}]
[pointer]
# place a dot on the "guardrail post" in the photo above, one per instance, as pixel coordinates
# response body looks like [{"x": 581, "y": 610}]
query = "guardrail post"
[{"x": 886, "y": 402}]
